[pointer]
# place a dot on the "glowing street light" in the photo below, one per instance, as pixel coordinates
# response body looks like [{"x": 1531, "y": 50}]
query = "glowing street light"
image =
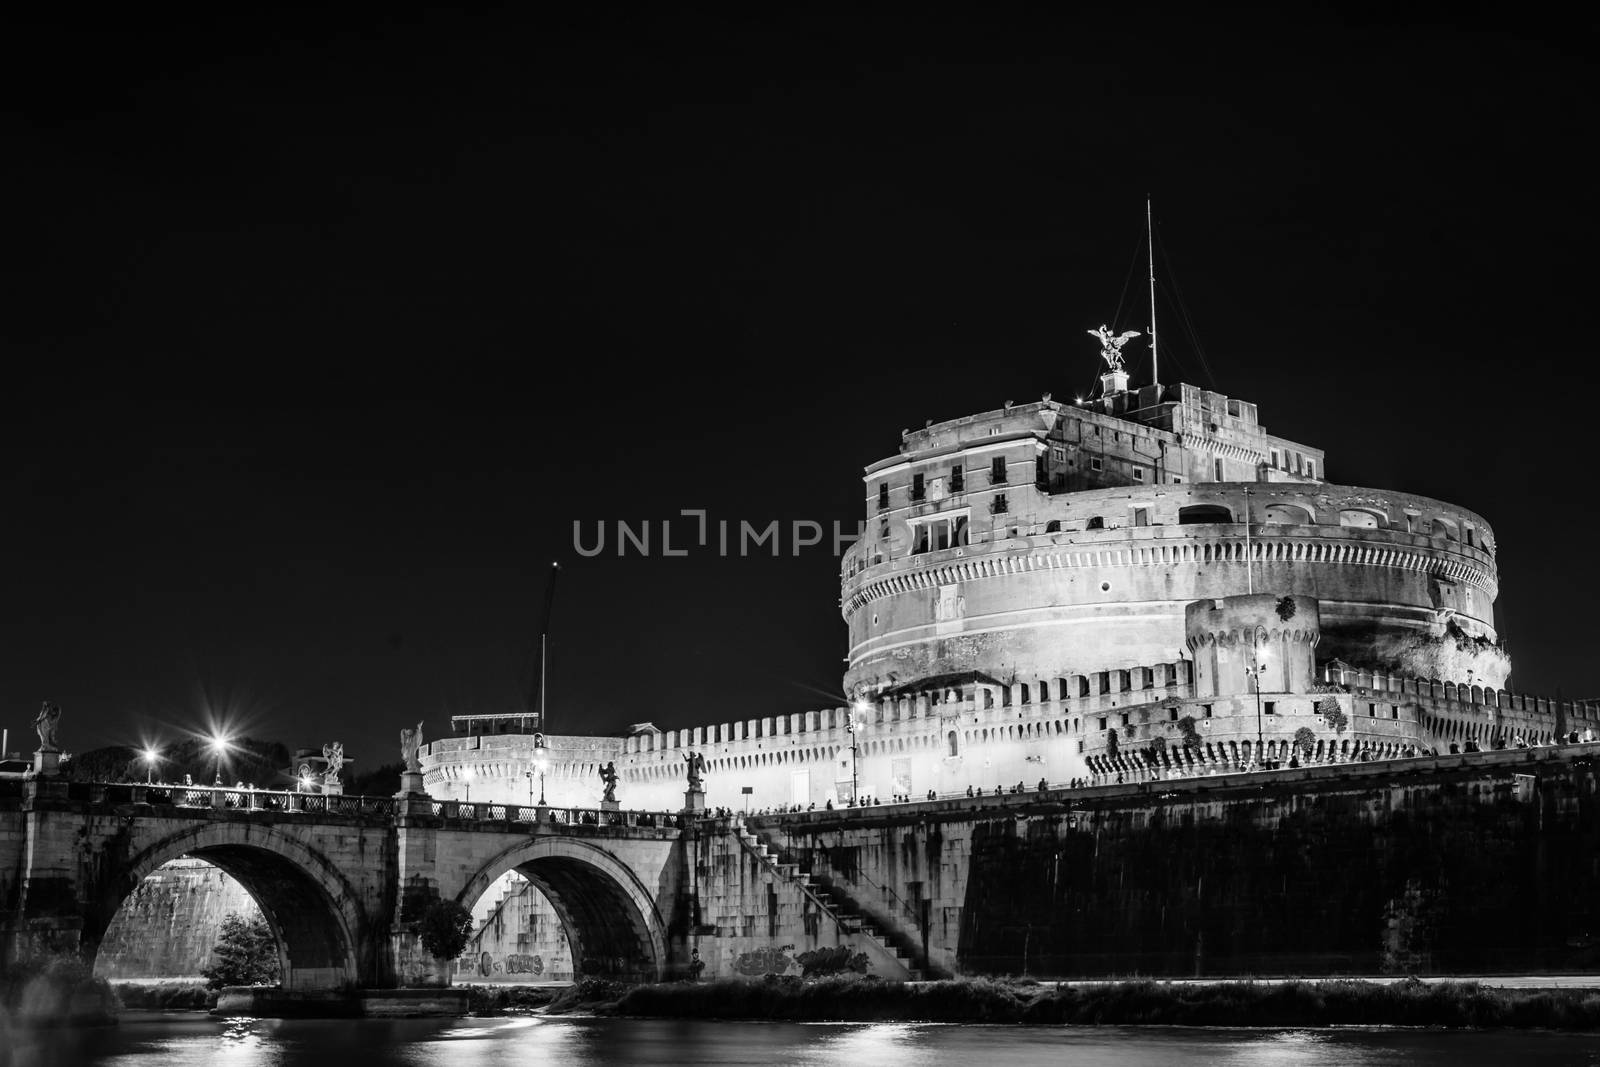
[
  {"x": 858, "y": 711},
  {"x": 150, "y": 755},
  {"x": 219, "y": 745},
  {"x": 541, "y": 761},
  {"x": 466, "y": 777}
]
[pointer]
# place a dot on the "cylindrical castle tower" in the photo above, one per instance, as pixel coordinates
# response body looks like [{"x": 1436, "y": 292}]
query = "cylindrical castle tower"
[
  {"x": 1262, "y": 642},
  {"x": 1046, "y": 539}
]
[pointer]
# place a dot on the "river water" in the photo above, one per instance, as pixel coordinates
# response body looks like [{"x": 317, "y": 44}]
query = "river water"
[{"x": 193, "y": 1040}]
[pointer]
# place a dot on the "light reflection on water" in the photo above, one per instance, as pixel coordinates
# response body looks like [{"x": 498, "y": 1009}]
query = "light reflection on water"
[{"x": 197, "y": 1041}]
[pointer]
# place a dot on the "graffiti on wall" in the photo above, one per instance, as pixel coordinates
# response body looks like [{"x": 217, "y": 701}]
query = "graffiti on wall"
[
  {"x": 513, "y": 963},
  {"x": 761, "y": 961}
]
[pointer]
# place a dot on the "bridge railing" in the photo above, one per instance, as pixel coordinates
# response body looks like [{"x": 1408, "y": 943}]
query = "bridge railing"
[
  {"x": 549, "y": 815},
  {"x": 229, "y": 798}
]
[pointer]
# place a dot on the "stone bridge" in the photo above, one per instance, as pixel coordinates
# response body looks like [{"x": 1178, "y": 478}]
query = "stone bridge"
[
  {"x": 1481, "y": 862},
  {"x": 344, "y": 881}
]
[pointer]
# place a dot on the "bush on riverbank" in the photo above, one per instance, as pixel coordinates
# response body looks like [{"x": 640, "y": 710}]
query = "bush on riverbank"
[
  {"x": 1294, "y": 1003},
  {"x": 169, "y": 994}
]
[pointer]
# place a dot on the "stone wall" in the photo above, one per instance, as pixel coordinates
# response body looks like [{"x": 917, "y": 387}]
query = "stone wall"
[
  {"x": 1481, "y": 864},
  {"x": 168, "y": 926}
]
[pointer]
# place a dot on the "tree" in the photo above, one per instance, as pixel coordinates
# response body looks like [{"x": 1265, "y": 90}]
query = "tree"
[
  {"x": 1305, "y": 740},
  {"x": 445, "y": 929},
  {"x": 246, "y": 952},
  {"x": 382, "y": 781},
  {"x": 1186, "y": 728},
  {"x": 1111, "y": 743}
]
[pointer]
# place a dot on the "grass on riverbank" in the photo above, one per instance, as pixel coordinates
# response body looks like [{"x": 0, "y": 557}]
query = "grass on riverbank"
[{"x": 983, "y": 1000}]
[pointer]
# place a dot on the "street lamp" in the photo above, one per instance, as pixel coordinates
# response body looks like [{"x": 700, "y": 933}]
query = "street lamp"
[
  {"x": 858, "y": 709},
  {"x": 151, "y": 755},
  {"x": 466, "y": 777},
  {"x": 540, "y": 762},
  {"x": 219, "y": 745}
]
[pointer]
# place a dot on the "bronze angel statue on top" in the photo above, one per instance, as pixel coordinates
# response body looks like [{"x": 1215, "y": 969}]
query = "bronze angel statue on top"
[{"x": 1111, "y": 345}]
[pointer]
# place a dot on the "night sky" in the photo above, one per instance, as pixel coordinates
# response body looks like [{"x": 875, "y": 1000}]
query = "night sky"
[{"x": 322, "y": 332}]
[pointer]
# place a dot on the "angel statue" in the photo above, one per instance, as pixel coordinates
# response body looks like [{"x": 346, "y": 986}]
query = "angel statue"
[
  {"x": 46, "y": 722},
  {"x": 1111, "y": 345},
  {"x": 333, "y": 752},
  {"x": 410, "y": 741},
  {"x": 697, "y": 768},
  {"x": 608, "y": 775}
]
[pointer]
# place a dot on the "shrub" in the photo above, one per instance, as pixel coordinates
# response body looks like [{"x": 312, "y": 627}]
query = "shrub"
[{"x": 445, "y": 929}]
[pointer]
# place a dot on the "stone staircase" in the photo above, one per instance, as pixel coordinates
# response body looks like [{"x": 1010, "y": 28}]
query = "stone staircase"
[
  {"x": 865, "y": 934},
  {"x": 842, "y": 900},
  {"x": 514, "y": 889}
]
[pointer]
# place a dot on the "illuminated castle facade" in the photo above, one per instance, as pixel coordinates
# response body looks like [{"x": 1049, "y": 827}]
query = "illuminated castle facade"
[{"x": 1145, "y": 584}]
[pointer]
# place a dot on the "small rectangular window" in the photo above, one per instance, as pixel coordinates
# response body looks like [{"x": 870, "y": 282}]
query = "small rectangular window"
[
  {"x": 883, "y": 496},
  {"x": 1102, "y": 722},
  {"x": 1207, "y": 708},
  {"x": 1094, "y": 463},
  {"x": 997, "y": 470},
  {"x": 994, "y": 431},
  {"x": 916, "y": 487},
  {"x": 1394, "y": 711},
  {"x": 1177, "y": 479},
  {"x": 957, "y": 475},
  {"x": 1274, "y": 457},
  {"x": 1124, "y": 718},
  {"x": 1138, "y": 474},
  {"x": 1219, "y": 470},
  {"x": 1172, "y": 714},
  {"x": 1270, "y": 707},
  {"x": 999, "y": 506},
  {"x": 1141, "y": 516},
  {"x": 1372, "y": 711},
  {"x": 1311, "y": 469},
  {"x": 1058, "y": 454}
]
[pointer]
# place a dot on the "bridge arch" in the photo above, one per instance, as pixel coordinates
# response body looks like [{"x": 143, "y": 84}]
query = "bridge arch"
[
  {"x": 612, "y": 921},
  {"x": 312, "y": 909}
]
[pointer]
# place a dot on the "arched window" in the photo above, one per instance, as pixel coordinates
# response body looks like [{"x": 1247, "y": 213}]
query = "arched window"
[
  {"x": 954, "y": 743},
  {"x": 1360, "y": 518},
  {"x": 1053, "y": 526}
]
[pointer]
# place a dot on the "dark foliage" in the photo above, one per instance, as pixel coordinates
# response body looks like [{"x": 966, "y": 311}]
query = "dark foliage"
[
  {"x": 246, "y": 954},
  {"x": 827, "y": 961},
  {"x": 261, "y": 763},
  {"x": 381, "y": 781},
  {"x": 973, "y": 1000},
  {"x": 445, "y": 929}
]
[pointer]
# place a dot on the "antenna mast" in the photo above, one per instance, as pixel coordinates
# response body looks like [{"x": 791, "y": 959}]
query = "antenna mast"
[
  {"x": 544, "y": 635},
  {"x": 1150, "y": 240}
]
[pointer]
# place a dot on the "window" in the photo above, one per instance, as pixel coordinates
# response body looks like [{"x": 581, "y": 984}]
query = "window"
[
  {"x": 1177, "y": 479},
  {"x": 883, "y": 532},
  {"x": 998, "y": 506},
  {"x": 1094, "y": 463},
  {"x": 1372, "y": 711},
  {"x": 1233, "y": 409},
  {"x": 1141, "y": 516},
  {"x": 997, "y": 470},
  {"x": 994, "y": 431},
  {"x": 916, "y": 487},
  {"x": 953, "y": 742},
  {"x": 1394, "y": 711},
  {"x": 1138, "y": 474},
  {"x": 1097, "y": 522},
  {"x": 1053, "y": 526},
  {"x": 1172, "y": 714},
  {"x": 1102, "y": 722},
  {"x": 1207, "y": 709},
  {"x": 920, "y": 544},
  {"x": 1201, "y": 514},
  {"x": 1124, "y": 718},
  {"x": 1311, "y": 469},
  {"x": 1219, "y": 470},
  {"x": 957, "y": 478},
  {"x": 1269, "y": 708},
  {"x": 1058, "y": 454},
  {"x": 1274, "y": 457}
]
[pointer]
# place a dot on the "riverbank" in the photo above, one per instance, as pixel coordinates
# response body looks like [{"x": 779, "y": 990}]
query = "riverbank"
[{"x": 1139, "y": 1003}]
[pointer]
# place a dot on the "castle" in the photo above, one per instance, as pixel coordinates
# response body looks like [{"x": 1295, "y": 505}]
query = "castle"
[{"x": 1144, "y": 584}]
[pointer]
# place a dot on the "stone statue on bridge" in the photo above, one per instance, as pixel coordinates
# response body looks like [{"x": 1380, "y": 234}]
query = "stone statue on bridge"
[
  {"x": 608, "y": 775},
  {"x": 333, "y": 752},
  {"x": 46, "y": 723},
  {"x": 410, "y": 741},
  {"x": 697, "y": 770}
]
